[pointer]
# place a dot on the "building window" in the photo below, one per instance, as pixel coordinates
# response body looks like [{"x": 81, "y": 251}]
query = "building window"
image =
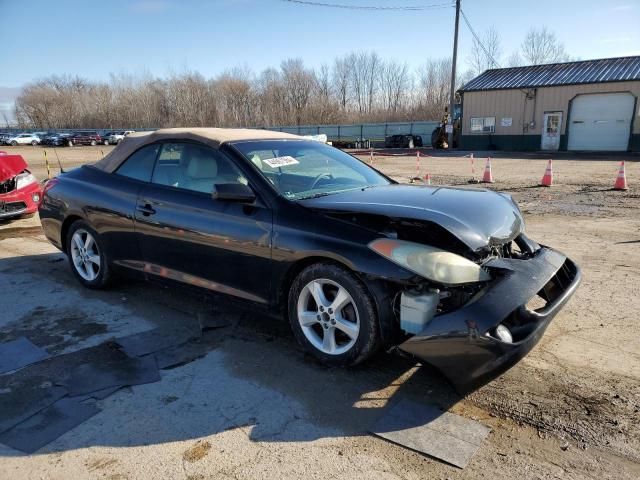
[{"x": 483, "y": 124}]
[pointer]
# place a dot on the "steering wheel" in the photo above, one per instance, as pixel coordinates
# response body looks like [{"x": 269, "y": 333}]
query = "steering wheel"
[{"x": 318, "y": 178}]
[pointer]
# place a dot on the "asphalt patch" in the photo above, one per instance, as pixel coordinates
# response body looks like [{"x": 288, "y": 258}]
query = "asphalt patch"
[
  {"x": 19, "y": 353},
  {"x": 428, "y": 430},
  {"x": 180, "y": 355},
  {"x": 19, "y": 402},
  {"x": 154, "y": 340},
  {"x": 92, "y": 377},
  {"x": 47, "y": 425}
]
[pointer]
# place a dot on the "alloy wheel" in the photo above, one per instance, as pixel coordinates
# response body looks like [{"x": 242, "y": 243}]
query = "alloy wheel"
[
  {"x": 328, "y": 316},
  {"x": 85, "y": 255}
]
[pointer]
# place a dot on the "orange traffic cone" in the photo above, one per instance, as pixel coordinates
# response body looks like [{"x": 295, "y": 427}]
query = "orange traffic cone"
[
  {"x": 427, "y": 179},
  {"x": 487, "y": 177},
  {"x": 547, "y": 179},
  {"x": 621, "y": 181}
]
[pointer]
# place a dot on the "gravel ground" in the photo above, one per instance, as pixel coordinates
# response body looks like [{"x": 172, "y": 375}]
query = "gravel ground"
[{"x": 257, "y": 407}]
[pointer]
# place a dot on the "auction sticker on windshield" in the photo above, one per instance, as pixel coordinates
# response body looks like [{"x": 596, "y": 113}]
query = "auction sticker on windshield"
[{"x": 276, "y": 162}]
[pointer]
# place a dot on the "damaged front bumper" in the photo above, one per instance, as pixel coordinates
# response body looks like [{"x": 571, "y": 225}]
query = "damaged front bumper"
[
  {"x": 461, "y": 344},
  {"x": 20, "y": 202}
]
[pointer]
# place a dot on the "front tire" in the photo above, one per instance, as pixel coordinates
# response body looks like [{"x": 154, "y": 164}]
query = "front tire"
[
  {"x": 333, "y": 316},
  {"x": 14, "y": 144},
  {"x": 34, "y": 143},
  {"x": 93, "y": 143},
  {"x": 87, "y": 256},
  {"x": 70, "y": 143}
]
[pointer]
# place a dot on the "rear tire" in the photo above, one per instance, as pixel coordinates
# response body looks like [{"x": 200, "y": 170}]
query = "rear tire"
[
  {"x": 93, "y": 143},
  {"x": 87, "y": 256},
  {"x": 333, "y": 316},
  {"x": 70, "y": 143},
  {"x": 14, "y": 143},
  {"x": 34, "y": 143}
]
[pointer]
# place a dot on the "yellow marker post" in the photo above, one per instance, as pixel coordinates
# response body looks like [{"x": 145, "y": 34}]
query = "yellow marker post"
[{"x": 46, "y": 161}]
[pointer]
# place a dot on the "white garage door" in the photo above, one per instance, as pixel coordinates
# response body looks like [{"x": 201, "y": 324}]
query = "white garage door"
[{"x": 601, "y": 121}]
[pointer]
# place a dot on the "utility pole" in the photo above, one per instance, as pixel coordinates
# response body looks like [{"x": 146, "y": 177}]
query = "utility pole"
[{"x": 452, "y": 99}]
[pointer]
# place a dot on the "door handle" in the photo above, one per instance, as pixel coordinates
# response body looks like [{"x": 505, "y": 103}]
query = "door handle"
[{"x": 146, "y": 209}]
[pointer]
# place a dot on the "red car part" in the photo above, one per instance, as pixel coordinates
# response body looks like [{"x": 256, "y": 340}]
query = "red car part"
[{"x": 15, "y": 202}]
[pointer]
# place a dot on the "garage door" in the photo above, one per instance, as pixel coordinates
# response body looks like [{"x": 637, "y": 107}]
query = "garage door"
[{"x": 601, "y": 121}]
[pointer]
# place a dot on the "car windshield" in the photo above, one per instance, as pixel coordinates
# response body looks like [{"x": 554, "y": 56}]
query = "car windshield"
[{"x": 306, "y": 169}]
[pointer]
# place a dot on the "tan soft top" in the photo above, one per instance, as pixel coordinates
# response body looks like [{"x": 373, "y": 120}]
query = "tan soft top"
[{"x": 214, "y": 137}]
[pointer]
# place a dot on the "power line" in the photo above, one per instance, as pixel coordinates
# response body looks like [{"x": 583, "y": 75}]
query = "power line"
[
  {"x": 414, "y": 8},
  {"x": 484, "y": 49}
]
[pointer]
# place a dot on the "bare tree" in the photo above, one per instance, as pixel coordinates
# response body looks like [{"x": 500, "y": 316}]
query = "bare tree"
[
  {"x": 341, "y": 80},
  {"x": 357, "y": 87},
  {"x": 394, "y": 84},
  {"x": 514, "y": 60},
  {"x": 541, "y": 46},
  {"x": 434, "y": 83},
  {"x": 299, "y": 83},
  {"x": 481, "y": 59}
]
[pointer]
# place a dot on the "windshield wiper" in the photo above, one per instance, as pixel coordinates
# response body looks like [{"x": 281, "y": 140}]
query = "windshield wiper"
[{"x": 316, "y": 195}]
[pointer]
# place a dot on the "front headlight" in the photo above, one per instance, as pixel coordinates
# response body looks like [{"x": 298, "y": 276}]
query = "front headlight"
[
  {"x": 24, "y": 179},
  {"x": 431, "y": 263}
]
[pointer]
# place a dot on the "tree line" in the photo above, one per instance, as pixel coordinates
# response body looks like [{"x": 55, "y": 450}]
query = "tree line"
[{"x": 357, "y": 87}]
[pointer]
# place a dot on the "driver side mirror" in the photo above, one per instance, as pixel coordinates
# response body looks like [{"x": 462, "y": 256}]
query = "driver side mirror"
[{"x": 233, "y": 192}]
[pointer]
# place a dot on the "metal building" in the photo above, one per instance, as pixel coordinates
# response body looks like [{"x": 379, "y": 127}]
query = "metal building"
[{"x": 586, "y": 105}]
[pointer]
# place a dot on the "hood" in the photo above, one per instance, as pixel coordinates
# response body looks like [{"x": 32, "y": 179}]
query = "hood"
[
  {"x": 10, "y": 166},
  {"x": 477, "y": 217}
]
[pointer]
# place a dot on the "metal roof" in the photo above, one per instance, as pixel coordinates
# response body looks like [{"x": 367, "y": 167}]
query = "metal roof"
[{"x": 554, "y": 74}]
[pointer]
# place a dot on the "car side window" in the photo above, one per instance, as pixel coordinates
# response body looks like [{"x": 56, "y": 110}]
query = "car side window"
[
  {"x": 139, "y": 165},
  {"x": 194, "y": 167}
]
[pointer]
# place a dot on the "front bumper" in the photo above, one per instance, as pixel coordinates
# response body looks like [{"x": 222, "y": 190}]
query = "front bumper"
[
  {"x": 459, "y": 344},
  {"x": 20, "y": 202}
]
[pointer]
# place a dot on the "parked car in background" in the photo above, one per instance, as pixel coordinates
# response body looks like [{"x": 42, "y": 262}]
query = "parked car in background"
[
  {"x": 84, "y": 137},
  {"x": 105, "y": 136},
  {"x": 403, "y": 141},
  {"x": 116, "y": 137},
  {"x": 4, "y": 138},
  {"x": 20, "y": 192},
  {"x": 23, "y": 139},
  {"x": 55, "y": 139}
]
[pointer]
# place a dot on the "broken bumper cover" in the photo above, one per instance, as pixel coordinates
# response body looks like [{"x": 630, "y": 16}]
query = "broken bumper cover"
[
  {"x": 459, "y": 344},
  {"x": 20, "y": 202}
]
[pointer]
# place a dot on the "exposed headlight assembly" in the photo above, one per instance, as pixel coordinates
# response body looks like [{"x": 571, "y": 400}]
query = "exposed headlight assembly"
[
  {"x": 431, "y": 263},
  {"x": 24, "y": 179}
]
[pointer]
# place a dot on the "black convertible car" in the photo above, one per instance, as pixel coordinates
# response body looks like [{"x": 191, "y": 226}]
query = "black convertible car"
[{"x": 354, "y": 260}]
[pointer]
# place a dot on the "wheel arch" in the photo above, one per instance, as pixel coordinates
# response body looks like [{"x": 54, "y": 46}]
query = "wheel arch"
[
  {"x": 293, "y": 271},
  {"x": 64, "y": 229},
  {"x": 378, "y": 289}
]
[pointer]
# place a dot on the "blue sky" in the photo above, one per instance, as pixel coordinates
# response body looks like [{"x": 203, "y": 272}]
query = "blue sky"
[{"x": 94, "y": 39}]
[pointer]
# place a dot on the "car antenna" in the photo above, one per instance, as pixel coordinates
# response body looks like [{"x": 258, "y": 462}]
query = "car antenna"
[{"x": 59, "y": 164}]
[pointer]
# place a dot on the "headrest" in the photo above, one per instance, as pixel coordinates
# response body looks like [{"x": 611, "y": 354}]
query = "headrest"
[{"x": 202, "y": 165}]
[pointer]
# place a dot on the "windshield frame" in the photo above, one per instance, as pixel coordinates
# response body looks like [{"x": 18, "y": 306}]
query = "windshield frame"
[{"x": 234, "y": 146}]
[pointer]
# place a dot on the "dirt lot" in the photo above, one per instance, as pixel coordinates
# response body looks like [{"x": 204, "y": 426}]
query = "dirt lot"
[{"x": 256, "y": 407}]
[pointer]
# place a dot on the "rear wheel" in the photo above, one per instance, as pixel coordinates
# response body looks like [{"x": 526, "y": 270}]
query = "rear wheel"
[
  {"x": 333, "y": 315},
  {"x": 87, "y": 256},
  {"x": 106, "y": 142},
  {"x": 70, "y": 143},
  {"x": 93, "y": 143},
  {"x": 14, "y": 143},
  {"x": 34, "y": 143}
]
